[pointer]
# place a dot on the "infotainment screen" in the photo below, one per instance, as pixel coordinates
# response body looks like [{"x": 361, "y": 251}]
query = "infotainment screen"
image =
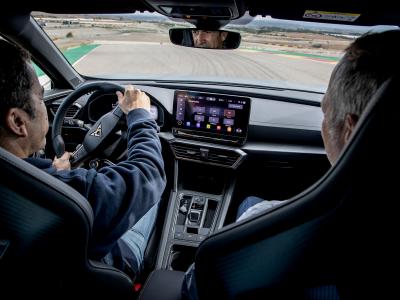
[{"x": 213, "y": 116}]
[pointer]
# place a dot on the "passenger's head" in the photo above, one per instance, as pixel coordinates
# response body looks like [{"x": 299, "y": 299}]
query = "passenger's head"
[
  {"x": 23, "y": 115},
  {"x": 213, "y": 39},
  {"x": 366, "y": 64}
]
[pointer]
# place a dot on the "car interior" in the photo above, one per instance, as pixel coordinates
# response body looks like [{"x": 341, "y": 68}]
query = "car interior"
[{"x": 222, "y": 141}]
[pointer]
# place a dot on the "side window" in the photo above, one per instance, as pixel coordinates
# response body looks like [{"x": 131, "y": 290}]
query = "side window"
[{"x": 44, "y": 80}]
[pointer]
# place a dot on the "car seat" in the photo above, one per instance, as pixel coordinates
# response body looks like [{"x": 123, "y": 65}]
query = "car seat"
[
  {"x": 336, "y": 240},
  {"x": 45, "y": 226}
]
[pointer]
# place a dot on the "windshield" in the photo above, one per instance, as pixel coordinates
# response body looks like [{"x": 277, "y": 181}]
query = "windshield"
[{"x": 136, "y": 46}]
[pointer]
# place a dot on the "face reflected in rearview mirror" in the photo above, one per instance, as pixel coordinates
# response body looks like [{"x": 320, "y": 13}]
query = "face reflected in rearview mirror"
[{"x": 208, "y": 39}]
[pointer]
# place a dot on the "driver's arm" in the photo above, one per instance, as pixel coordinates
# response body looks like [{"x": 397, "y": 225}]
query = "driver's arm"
[
  {"x": 133, "y": 99},
  {"x": 122, "y": 194}
]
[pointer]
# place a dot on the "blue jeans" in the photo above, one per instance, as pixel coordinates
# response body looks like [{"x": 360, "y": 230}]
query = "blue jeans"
[
  {"x": 246, "y": 204},
  {"x": 136, "y": 239}
]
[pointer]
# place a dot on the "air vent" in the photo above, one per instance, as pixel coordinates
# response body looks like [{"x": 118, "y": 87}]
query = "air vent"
[
  {"x": 228, "y": 158},
  {"x": 217, "y": 156},
  {"x": 186, "y": 151},
  {"x": 71, "y": 112}
]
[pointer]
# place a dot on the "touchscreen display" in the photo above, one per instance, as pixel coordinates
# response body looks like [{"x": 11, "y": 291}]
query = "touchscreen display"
[{"x": 213, "y": 115}]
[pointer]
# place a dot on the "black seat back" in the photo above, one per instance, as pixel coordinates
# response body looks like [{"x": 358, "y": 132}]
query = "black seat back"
[
  {"x": 335, "y": 240},
  {"x": 45, "y": 226}
]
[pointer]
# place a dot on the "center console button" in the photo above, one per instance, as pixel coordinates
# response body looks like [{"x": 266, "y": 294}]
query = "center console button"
[{"x": 194, "y": 216}]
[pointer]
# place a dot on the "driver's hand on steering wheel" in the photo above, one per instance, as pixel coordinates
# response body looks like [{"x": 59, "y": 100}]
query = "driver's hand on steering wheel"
[
  {"x": 63, "y": 162},
  {"x": 133, "y": 98}
]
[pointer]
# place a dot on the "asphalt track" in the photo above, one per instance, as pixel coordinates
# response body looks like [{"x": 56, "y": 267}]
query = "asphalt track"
[{"x": 127, "y": 58}]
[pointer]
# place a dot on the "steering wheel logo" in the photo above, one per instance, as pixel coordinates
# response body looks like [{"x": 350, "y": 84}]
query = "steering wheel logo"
[{"x": 97, "y": 132}]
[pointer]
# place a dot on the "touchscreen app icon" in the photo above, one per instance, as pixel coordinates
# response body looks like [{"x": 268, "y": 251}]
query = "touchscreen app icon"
[{"x": 229, "y": 113}]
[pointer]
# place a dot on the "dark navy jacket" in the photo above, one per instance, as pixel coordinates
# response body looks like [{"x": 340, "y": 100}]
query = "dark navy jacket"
[{"x": 119, "y": 195}]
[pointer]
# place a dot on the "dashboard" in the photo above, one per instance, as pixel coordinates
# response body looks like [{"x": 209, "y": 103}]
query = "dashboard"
[{"x": 245, "y": 117}]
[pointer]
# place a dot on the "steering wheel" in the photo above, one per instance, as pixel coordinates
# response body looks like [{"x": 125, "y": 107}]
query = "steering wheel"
[{"x": 98, "y": 135}]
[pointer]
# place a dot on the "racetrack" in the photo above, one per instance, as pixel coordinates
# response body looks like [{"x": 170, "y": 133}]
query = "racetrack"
[{"x": 141, "y": 58}]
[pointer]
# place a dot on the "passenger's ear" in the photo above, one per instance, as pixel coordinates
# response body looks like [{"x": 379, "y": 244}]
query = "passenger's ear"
[
  {"x": 16, "y": 120},
  {"x": 349, "y": 125}
]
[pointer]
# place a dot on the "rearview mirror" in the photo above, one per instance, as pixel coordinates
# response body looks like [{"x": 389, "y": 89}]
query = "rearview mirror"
[{"x": 209, "y": 39}]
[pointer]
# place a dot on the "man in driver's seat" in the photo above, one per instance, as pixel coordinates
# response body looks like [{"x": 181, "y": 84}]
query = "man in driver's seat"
[{"x": 124, "y": 197}]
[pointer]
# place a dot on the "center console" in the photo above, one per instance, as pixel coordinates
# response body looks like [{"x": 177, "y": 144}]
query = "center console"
[
  {"x": 208, "y": 128},
  {"x": 197, "y": 207}
]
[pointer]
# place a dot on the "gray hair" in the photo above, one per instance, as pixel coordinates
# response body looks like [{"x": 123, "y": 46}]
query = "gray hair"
[{"x": 368, "y": 62}]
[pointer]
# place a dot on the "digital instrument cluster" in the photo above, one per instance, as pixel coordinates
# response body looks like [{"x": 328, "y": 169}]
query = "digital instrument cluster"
[{"x": 105, "y": 103}]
